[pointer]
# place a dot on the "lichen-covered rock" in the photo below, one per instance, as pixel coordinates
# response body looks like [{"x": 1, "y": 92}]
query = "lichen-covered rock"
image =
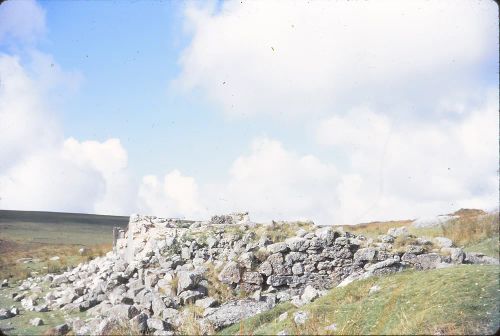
[
  {"x": 230, "y": 274},
  {"x": 233, "y": 312},
  {"x": 252, "y": 278},
  {"x": 300, "y": 317},
  {"x": 365, "y": 254},
  {"x": 36, "y": 321},
  {"x": 398, "y": 232},
  {"x": 427, "y": 261},
  {"x": 296, "y": 244},
  {"x": 277, "y": 247},
  {"x": 479, "y": 258},
  {"x": 266, "y": 268},
  {"x": 443, "y": 242}
]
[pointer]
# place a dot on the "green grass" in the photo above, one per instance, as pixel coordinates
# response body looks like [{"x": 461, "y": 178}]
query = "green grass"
[
  {"x": 456, "y": 300},
  {"x": 488, "y": 246},
  {"x": 58, "y": 228},
  {"x": 42, "y": 235},
  {"x": 19, "y": 325}
]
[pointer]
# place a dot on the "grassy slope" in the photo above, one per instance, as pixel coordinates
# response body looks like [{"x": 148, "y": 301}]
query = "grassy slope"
[
  {"x": 455, "y": 300},
  {"x": 474, "y": 232},
  {"x": 20, "y": 325},
  {"x": 42, "y": 235}
]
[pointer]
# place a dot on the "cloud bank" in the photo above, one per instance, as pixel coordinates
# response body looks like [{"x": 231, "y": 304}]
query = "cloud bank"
[{"x": 397, "y": 94}]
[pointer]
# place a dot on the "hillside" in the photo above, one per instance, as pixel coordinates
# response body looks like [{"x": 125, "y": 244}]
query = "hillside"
[
  {"x": 230, "y": 275},
  {"x": 460, "y": 300},
  {"x": 28, "y": 239}
]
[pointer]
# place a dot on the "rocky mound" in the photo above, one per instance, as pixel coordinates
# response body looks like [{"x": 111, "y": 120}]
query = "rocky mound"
[{"x": 165, "y": 275}]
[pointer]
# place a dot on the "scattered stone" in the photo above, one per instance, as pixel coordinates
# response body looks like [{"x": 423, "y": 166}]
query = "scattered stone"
[
  {"x": 398, "y": 232},
  {"x": 55, "y": 258},
  {"x": 331, "y": 327},
  {"x": 61, "y": 329},
  {"x": 300, "y": 317},
  {"x": 230, "y": 273},
  {"x": 374, "y": 289},
  {"x": 206, "y": 302},
  {"x": 283, "y": 317},
  {"x": 443, "y": 242},
  {"x": 5, "y": 314},
  {"x": 309, "y": 294},
  {"x": 36, "y": 322}
]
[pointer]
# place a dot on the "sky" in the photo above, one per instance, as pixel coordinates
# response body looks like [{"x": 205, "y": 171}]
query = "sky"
[{"x": 337, "y": 112}]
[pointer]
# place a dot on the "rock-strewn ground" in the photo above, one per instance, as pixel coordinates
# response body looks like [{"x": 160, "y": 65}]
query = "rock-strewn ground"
[{"x": 166, "y": 274}]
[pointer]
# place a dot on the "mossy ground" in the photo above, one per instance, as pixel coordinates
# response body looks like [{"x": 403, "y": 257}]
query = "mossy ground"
[
  {"x": 19, "y": 325},
  {"x": 456, "y": 300}
]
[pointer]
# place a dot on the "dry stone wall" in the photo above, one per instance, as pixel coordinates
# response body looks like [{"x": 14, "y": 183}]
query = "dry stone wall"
[{"x": 160, "y": 267}]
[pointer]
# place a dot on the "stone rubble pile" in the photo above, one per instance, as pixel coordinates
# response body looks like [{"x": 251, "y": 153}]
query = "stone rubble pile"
[{"x": 161, "y": 268}]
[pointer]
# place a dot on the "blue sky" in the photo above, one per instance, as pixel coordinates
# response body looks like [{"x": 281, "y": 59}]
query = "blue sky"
[{"x": 324, "y": 111}]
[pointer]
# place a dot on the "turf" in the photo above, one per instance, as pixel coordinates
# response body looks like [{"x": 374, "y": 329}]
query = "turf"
[{"x": 457, "y": 300}]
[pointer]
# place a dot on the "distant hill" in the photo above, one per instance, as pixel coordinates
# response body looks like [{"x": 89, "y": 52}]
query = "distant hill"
[{"x": 8, "y": 216}]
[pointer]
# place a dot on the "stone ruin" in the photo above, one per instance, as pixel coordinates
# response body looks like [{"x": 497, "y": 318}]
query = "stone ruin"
[{"x": 159, "y": 267}]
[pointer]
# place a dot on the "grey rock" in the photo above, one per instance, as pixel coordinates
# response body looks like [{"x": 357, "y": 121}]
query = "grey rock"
[
  {"x": 5, "y": 314},
  {"x": 189, "y": 280},
  {"x": 300, "y": 317},
  {"x": 233, "y": 312},
  {"x": 62, "y": 329},
  {"x": 479, "y": 258},
  {"x": 206, "y": 302},
  {"x": 427, "y": 261},
  {"x": 157, "y": 324},
  {"x": 246, "y": 260},
  {"x": 398, "y": 232},
  {"x": 309, "y": 294},
  {"x": 170, "y": 315},
  {"x": 386, "y": 239},
  {"x": 442, "y": 242},
  {"x": 381, "y": 264},
  {"x": 331, "y": 327},
  {"x": 252, "y": 278},
  {"x": 139, "y": 323},
  {"x": 190, "y": 296},
  {"x": 123, "y": 311},
  {"x": 157, "y": 305},
  {"x": 297, "y": 269},
  {"x": 230, "y": 273},
  {"x": 266, "y": 268},
  {"x": 414, "y": 249},
  {"x": 365, "y": 254},
  {"x": 36, "y": 322},
  {"x": 296, "y": 244},
  {"x": 456, "y": 254},
  {"x": 277, "y": 247}
]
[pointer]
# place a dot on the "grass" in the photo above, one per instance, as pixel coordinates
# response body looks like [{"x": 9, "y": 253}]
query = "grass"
[
  {"x": 216, "y": 289},
  {"x": 247, "y": 326},
  {"x": 456, "y": 300},
  {"x": 374, "y": 229},
  {"x": 474, "y": 230},
  {"x": 41, "y": 254},
  {"x": 19, "y": 325},
  {"x": 190, "y": 324},
  {"x": 42, "y": 235},
  {"x": 278, "y": 231}
]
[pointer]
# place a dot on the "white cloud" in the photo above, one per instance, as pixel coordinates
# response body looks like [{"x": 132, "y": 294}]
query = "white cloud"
[
  {"x": 408, "y": 169},
  {"x": 176, "y": 196},
  {"x": 39, "y": 169},
  {"x": 282, "y": 57},
  {"x": 21, "y": 21},
  {"x": 274, "y": 183}
]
